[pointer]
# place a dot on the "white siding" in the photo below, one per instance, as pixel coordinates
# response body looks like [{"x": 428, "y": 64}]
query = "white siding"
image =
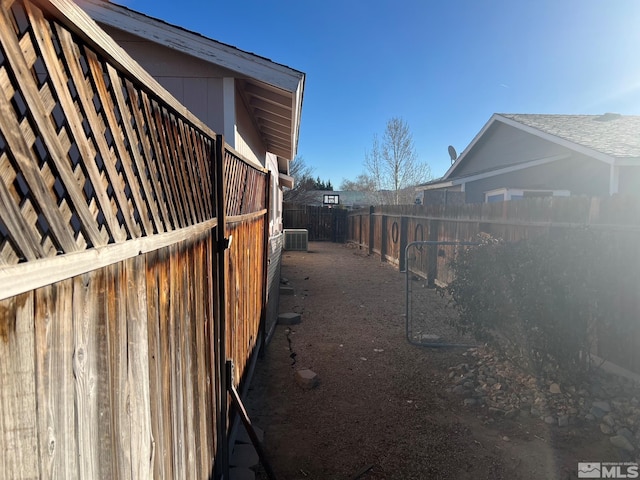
[{"x": 195, "y": 83}]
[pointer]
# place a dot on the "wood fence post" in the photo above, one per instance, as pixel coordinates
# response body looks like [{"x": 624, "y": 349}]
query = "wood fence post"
[
  {"x": 371, "y": 230},
  {"x": 404, "y": 240},
  {"x": 222, "y": 454},
  {"x": 384, "y": 237},
  {"x": 433, "y": 227},
  {"x": 265, "y": 263}
]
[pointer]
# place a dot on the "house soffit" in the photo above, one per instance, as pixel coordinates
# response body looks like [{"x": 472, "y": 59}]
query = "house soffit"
[{"x": 273, "y": 111}]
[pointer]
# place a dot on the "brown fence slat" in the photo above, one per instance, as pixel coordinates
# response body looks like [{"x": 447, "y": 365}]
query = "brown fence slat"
[
  {"x": 56, "y": 391},
  {"x": 19, "y": 426},
  {"x": 125, "y": 348}
]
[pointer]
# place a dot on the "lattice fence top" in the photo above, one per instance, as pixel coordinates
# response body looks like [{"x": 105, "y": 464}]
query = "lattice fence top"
[
  {"x": 88, "y": 155},
  {"x": 245, "y": 186}
]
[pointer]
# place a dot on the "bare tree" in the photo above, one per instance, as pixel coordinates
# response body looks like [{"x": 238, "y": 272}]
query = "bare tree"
[
  {"x": 394, "y": 165},
  {"x": 362, "y": 183},
  {"x": 303, "y": 181}
]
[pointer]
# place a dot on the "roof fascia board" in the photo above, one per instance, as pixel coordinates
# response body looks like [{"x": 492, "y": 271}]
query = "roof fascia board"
[
  {"x": 434, "y": 186},
  {"x": 470, "y": 146},
  {"x": 603, "y": 157},
  {"x": 193, "y": 44}
]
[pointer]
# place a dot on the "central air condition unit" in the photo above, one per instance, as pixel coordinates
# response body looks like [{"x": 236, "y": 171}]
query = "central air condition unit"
[{"x": 296, "y": 239}]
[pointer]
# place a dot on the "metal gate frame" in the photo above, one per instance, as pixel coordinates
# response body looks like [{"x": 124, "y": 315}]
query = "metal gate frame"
[{"x": 407, "y": 313}]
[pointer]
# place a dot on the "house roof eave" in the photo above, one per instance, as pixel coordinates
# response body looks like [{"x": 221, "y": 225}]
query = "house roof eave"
[{"x": 274, "y": 92}]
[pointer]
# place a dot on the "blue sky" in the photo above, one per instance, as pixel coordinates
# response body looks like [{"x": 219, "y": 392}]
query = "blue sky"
[{"x": 444, "y": 67}]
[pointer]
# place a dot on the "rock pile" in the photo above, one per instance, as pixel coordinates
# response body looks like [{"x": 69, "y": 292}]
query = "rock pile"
[{"x": 609, "y": 402}]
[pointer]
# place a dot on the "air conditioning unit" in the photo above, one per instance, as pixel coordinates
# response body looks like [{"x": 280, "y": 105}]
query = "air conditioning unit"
[{"x": 296, "y": 239}]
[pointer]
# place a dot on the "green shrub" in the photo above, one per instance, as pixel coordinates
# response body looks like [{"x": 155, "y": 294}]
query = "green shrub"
[{"x": 537, "y": 300}]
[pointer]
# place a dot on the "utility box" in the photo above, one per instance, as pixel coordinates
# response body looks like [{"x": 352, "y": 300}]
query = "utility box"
[{"x": 296, "y": 239}]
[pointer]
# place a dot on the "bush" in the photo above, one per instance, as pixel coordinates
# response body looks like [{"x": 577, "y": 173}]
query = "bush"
[{"x": 537, "y": 301}]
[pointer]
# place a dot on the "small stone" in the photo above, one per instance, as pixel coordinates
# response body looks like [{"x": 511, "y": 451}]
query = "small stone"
[
  {"x": 563, "y": 421},
  {"x": 602, "y": 405},
  {"x": 606, "y": 429},
  {"x": 597, "y": 412},
  {"x": 429, "y": 337},
  {"x": 549, "y": 420},
  {"x": 286, "y": 290},
  {"x": 505, "y": 438},
  {"x": 460, "y": 390},
  {"x": 626, "y": 433},
  {"x": 307, "y": 379},
  {"x": 621, "y": 442},
  {"x": 609, "y": 420},
  {"x": 470, "y": 402},
  {"x": 555, "y": 388},
  {"x": 589, "y": 417},
  {"x": 513, "y": 413},
  {"x": 289, "y": 319}
]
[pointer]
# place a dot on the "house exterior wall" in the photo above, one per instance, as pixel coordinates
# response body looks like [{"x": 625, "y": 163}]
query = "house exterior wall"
[
  {"x": 505, "y": 145},
  {"x": 579, "y": 174},
  {"x": 629, "y": 181},
  {"x": 195, "y": 83}
]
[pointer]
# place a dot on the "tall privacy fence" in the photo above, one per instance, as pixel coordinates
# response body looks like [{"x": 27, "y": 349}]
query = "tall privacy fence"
[
  {"x": 133, "y": 247},
  {"x": 386, "y": 231}
]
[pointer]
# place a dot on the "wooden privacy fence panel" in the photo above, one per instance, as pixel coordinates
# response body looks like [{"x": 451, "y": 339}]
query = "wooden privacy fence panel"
[
  {"x": 112, "y": 273},
  {"x": 322, "y": 223},
  {"x": 616, "y": 218},
  {"x": 89, "y": 156},
  {"x": 107, "y": 374},
  {"x": 245, "y": 270}
]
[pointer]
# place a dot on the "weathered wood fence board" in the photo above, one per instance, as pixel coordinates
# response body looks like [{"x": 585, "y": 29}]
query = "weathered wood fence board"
[
  {"x": 387, "y": 231},
  {"x": 322, "y": 223},
  {"x": 113, "y": 324}
]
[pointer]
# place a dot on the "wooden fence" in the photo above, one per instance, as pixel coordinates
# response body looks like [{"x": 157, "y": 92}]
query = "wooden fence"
[
  {"x": 386, "y": 231},
  {"x": 322, "y": 223},
  {"x": 132, "y": 261}
]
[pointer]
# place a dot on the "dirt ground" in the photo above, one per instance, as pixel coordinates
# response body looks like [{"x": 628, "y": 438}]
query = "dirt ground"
[{"x": 381, "y": 409}]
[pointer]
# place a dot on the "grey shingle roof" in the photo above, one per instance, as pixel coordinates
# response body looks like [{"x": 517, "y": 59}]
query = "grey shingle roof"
[{"x": 611, "y": 134}]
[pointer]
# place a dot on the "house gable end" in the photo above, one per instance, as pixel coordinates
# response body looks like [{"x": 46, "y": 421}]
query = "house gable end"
[{"x": 503, "y": 145}]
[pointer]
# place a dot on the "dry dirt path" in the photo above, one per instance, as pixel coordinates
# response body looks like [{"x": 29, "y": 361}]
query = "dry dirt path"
[{"x": 381, "y": 404}]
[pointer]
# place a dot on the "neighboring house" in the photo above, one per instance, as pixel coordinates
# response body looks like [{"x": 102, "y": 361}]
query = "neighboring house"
[
  {"x": 254, "y": 102},
  {"x": 348, "y": 199},
  {"x": 516, "y": 156}
]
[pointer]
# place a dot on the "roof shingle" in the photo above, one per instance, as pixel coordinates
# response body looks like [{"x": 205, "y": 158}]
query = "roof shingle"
[{"x": 611, "y": 134}]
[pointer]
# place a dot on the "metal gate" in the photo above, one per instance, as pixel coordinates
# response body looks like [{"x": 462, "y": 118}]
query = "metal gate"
[{"x": 429, "y": 310}]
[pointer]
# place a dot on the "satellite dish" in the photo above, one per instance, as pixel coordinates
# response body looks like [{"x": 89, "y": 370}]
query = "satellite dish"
[{"x": 452, "y": 153}]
